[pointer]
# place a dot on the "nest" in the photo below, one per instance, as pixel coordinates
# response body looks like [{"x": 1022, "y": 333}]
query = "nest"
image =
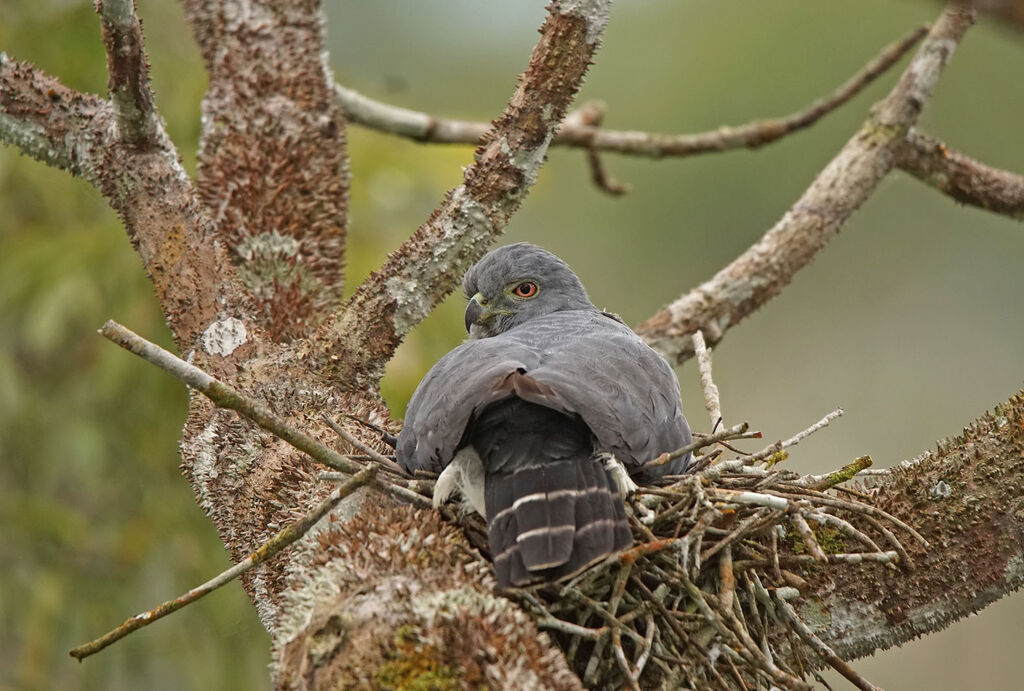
[
  {"x": 705, "y": 597},
  {"x": 708, "y": 597}
]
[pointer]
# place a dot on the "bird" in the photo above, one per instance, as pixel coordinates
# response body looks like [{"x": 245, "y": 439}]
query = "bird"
[{"x": 543, "y": 418}]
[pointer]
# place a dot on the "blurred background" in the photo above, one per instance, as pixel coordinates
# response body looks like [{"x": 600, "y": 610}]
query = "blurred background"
[{"x": 912, "y": 319}]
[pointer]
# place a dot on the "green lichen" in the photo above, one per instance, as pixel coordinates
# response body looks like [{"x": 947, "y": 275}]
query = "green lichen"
[
  {"x": 814, "y": 615},
  {"x": 415, "y": 665},
  {"x": 830, "y": 539}
]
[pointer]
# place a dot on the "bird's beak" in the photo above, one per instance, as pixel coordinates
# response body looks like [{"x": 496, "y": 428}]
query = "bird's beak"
[{"x": 475, "y": 312}]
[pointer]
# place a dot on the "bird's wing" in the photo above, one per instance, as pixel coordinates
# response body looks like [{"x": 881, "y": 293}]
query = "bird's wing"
[
  {"x": 463, "y": 382},
  {"x": 625, "y": 392},
  {"x": 577, "y": 362}
]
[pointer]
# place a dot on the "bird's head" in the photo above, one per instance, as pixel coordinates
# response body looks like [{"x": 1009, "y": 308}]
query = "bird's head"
[{"x": 516, "y": 283}]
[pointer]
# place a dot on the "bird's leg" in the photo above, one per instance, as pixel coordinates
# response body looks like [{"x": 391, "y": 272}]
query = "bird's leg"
[
  {"x": 465, "y": 473},
  {"x": 623, "y": 481}
]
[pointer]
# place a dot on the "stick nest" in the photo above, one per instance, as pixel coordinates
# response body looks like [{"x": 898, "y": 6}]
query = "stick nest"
[{"x": 705, "y": 598}]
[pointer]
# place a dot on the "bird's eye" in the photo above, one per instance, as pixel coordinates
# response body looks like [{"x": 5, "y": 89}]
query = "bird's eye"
[{"x": 526, "y": 289}]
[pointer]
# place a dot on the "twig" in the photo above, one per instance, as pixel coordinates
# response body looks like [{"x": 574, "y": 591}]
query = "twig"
[
  {"x": 845, "y": 527},
  {"x": 641, "y": 660},
  {"x": 797, "y": 519},
  {"x": 833, "y": 660},
  {"x": 620, "y": 657},
  {"x": 225, "y": 396},
  {"x": 906, "y": 561},
  {"x": 386, "y": 436},
  {"x": 738, "y": 532},
  {"x": 271, "y": 547},
  {"x": 795, "y": 439},
  {"x": 844, "y": 474},
  {"x": 726, "y": 579},
  {"x": 600, "y": 176},
  {"x": 410, "y": 496},
  {"x": 426, "y": 128},
  {"x": 736, "y": 432},
  {"x": 368, "y": 450},
  {"x": 712, "y": 403},
  {"x": 866, "y": 509}
]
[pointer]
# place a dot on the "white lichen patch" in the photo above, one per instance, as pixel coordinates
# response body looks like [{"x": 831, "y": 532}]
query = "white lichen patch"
[
  {"x": 940, "y": 490},
  {"x": 204, "y": 465},
  {"x": 594, "y": 12},
  {"x": 1014, "y": 571},
  {"x": 223, "y": 337},
  {"x": 530, "y": 160},
  {"x": 465, "y": 226},
  {"x": 465, "y": 600},
  {"x": 927, "y": 67},
  {"x": 267, "y": 245}
]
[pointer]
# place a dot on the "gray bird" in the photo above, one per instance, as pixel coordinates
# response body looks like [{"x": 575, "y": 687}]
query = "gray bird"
[{"x": 543, "y": 419}]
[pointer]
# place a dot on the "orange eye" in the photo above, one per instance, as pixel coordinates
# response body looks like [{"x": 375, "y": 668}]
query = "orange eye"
[{"x": 526, "y": 289}]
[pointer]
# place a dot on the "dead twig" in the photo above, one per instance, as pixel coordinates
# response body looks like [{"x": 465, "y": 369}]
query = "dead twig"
[{"x": 271, "y": 547}]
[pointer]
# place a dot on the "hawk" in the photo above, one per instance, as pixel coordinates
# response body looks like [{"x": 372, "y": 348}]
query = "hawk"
[{"x": 544, "y": 418}]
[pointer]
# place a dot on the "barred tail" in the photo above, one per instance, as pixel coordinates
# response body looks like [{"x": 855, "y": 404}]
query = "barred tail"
[{"x": 548, "y": 519}]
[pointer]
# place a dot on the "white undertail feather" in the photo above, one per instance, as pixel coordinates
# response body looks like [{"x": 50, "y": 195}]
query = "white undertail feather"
[
  {"x": 465, "y": 473},
  {"x": 622, "y": 479}
]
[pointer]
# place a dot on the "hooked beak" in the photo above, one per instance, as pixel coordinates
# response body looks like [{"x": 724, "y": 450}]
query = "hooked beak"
[{"x": 475, "y": 312}]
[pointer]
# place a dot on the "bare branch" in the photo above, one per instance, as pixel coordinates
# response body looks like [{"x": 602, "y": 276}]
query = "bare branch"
[
  {"x": 712, "y": 401},
  {"x": 128, "y": 71},
  {"x": 427, "y": 128},
  {"x": 964, "y": 179},
  {"x": 428, "y": 266},
  {"x": 795, "y": 439},
  {"x": 759, "y": 274},
  {"x": 273, "y": 546},
  {"x": 225, "y": 396}
]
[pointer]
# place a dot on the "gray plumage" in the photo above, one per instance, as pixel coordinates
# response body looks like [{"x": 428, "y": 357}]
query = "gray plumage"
[{"x": 546, "y": 398}]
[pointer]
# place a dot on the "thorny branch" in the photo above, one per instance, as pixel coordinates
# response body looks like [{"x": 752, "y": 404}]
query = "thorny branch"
[
  {"x": 121, "y": 148},
  {"x": 428, "y": 266},
  {"x": 128, "y": 73}
]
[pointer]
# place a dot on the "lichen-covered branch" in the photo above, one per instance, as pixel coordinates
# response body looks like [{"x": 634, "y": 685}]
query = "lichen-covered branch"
[
  {"x": 43, "y": 118},
  {"x": 273, "y": 165},
  {"x": 965, "y": 499},
  {"x": 427, "y": 128},
  {"x": 146, "y": 186},
  {"x": 761, "y": 273},
  {"x": 430, "y": 264},
  {"x": 128, "y": 73},
  {"x": 961, "y": 177}
]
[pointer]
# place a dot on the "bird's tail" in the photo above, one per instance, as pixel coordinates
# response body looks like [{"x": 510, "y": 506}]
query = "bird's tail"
[
  {"x": 553, "y": 520},
  {"x": 552, "y": 507}
]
